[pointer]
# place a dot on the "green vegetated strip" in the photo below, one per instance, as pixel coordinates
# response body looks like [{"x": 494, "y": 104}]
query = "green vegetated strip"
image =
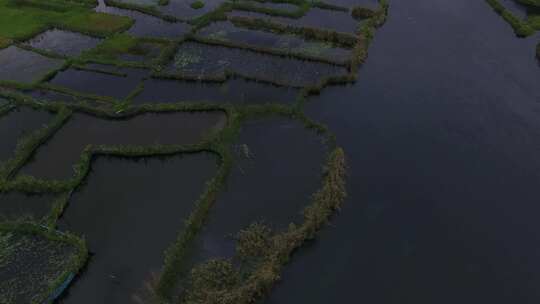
[
  {"x": 522, "y": 28},
  {"x": 21, "y": 20},
  {"x": 69, "y": 267}
]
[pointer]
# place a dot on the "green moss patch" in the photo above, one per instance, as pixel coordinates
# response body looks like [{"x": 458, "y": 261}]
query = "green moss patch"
[
  {"x": 197, "y": 4},
  {"x": 20, "y": 21},
  {"x": 124, "y": 47}
]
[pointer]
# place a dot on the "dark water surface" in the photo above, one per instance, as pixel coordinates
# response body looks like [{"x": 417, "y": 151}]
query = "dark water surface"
[
  {"x": 15, "y": 205},
  {"x": 141, "y": 206},
  {"x": 236, "y": 91},
  {"x": 101, "y": 84},
  {"x": 25, "y": 66},
  {"x": 442, "y": 134},
  {"x": 55, "y": 159}
]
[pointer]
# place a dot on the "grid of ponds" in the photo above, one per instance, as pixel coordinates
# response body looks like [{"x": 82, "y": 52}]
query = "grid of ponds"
[
  {"x": 198, "y": 60},
  {"x": 201, "y": 124}
]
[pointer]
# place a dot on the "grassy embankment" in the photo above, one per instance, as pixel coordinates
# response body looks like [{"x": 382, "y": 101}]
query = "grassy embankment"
[{"x": 522, "y": 28}]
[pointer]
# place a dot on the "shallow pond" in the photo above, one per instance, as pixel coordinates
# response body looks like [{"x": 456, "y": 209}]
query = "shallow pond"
[
  {"x": 56, "y": 158},
  {"x": 199, "y": 60},
  {"x": 63, "y": 42},
  {"x": 16, "y": 124},
  {"x": 15, "y": 205},
  {"x": 101, "y": 84},
  {"x": 25, "y": 66},
  {"x": 236, "y": 91},
  {"x": 141, "y": 206},
  {"x": 226, "y": 31}
]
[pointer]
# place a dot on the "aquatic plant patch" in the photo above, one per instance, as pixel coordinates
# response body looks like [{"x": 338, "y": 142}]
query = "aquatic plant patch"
[
  {"x": 25, "y": 66},
  {"x": 63, "y": 42},
  {"x": 36, "y": 262}
]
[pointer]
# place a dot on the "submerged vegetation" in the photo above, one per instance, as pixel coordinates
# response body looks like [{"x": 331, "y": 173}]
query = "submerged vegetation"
[{"x": 261, "y": 251}]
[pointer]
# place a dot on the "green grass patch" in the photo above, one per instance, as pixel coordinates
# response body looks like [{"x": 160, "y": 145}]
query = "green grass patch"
[
  {"x": 534, "y": 21},
  {"x": 521, "y": 28},
  {"x": 5, "y": 42},
  {"x": 19, "y": 21},
  {"x": 197, "y": 4}
]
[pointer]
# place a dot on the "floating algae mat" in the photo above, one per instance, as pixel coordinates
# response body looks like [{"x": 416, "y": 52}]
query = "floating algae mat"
[
  {"x": 197, "y": 60},
  {"x": 236, "y": 91},
  {"x": 101, "y": 84},
  {"x": 17, "y": 123},
  {"x": 15, "y": 205},
  {"x": 25, "y": 66},
  {"x": 63, "y": 42},
  {"x": 141, "y": 206},
  {"x": 56, "y": 158},
  {"x": 324, "y": 19},
  {"x": 31, "y": 265},
  {"x": 272, "y": 155},
  {"x": 226, "y": 31}
]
